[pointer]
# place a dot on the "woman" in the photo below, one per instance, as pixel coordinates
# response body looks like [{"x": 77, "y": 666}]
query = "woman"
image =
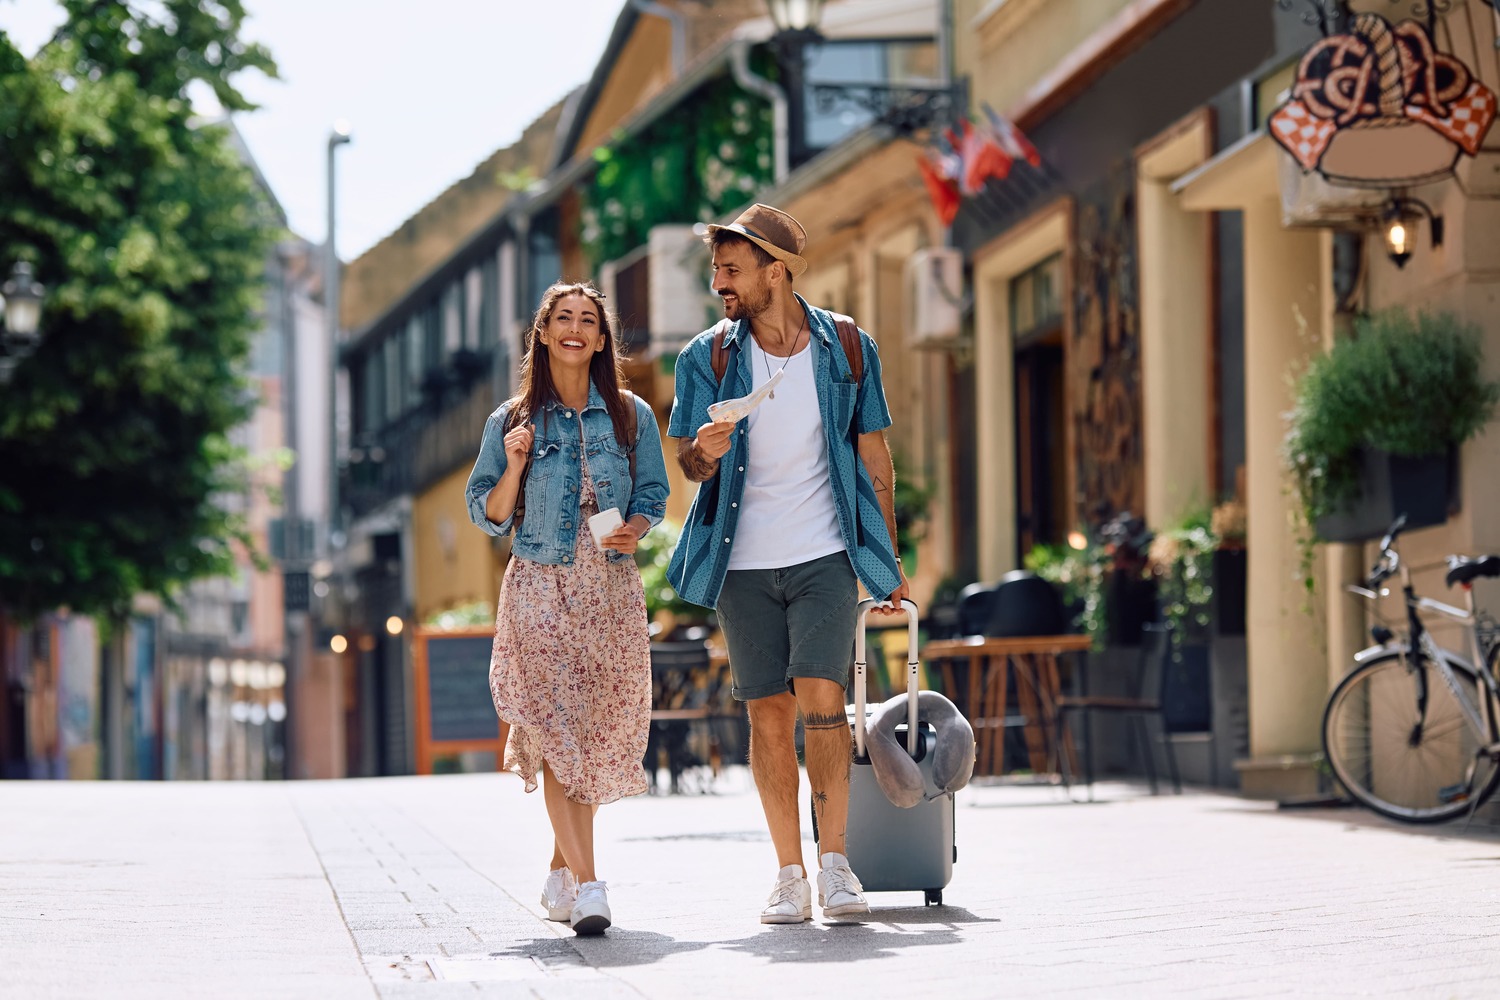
[{"x": 571, "y": 667}]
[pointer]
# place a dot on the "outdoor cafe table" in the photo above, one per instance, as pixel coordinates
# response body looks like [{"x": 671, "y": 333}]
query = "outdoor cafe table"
[{"x": 983, "y": 697}]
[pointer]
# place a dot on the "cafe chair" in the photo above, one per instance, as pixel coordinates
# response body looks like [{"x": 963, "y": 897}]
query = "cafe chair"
[
  {"x": 680, "y": 701},
  {"x": 1150, "y": 693},
  {"x": 1021, "y": 604},
  {"x": 974, "y": 604}
]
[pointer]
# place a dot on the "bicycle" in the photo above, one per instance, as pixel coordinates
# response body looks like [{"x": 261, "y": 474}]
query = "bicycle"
[{"x": 1411, "y": 732}]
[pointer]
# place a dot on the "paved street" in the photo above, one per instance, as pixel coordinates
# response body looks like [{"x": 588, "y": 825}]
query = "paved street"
[{"x": 427, "y": 888}]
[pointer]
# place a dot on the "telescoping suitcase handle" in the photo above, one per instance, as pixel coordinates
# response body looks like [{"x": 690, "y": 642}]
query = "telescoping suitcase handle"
[{"x": 910, "y": 608}]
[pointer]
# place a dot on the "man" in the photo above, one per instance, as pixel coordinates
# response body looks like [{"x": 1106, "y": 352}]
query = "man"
[{"x": 788, "y": 520}]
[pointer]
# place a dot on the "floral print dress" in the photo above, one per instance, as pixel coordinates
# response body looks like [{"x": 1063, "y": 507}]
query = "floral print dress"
[{"x": 571, "y": 669}]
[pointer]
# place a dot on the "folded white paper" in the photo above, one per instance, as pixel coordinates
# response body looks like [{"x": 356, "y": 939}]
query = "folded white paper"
[{"x": 733, "y": 410}]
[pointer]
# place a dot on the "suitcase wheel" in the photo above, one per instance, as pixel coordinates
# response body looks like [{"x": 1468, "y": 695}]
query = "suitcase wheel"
[{"x": 932, "y": 897}]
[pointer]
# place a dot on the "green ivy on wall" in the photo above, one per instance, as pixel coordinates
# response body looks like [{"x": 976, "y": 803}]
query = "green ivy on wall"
[{"x": 704, "y": 158}]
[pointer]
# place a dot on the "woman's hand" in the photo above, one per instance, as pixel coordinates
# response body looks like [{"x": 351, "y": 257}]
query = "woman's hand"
[
  {"x": 627, "y": 536},
  {"x": 518, "y": 448}
]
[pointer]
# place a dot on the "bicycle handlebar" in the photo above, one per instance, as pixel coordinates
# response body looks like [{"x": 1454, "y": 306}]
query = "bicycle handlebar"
[{"x": 1389, "y": 562}]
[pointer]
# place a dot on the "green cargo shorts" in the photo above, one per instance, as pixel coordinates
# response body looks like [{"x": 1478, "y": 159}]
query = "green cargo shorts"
[{"x": 781, "y": 624}]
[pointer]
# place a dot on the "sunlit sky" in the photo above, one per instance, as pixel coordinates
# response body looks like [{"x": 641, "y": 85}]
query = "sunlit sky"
[{"x": 430, "y": 89}]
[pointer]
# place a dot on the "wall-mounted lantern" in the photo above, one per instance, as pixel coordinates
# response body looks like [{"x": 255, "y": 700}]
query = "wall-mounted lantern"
[{"x": 1400, "y": 219}]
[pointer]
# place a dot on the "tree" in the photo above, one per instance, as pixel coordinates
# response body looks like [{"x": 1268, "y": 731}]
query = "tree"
[{"x": 148, "y": 231}]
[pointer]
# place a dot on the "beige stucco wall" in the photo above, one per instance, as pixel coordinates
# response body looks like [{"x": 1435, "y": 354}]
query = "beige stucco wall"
[
  {"x": 455, "y": 562},
  {"x": 1174, "y": 247},
  {"x": 1049, "y": 231},
  {"x": 1286, "y": 320},
  {"x": 1011, "y": 44}
]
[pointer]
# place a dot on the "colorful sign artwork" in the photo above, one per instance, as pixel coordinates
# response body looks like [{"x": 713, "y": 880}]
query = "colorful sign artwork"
[{"x": 1380, "y": 106}]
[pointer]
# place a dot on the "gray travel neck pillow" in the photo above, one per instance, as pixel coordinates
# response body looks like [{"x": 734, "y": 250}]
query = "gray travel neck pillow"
[{"x": 952, "y": 756}]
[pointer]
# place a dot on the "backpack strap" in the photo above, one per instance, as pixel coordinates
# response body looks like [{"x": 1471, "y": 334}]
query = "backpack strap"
[
  {"x": 632, "y": 428},
  {"x": 519, "y": 512},
  {"x": 854, "y": 351},
  {"x": 719, "y": 359}
]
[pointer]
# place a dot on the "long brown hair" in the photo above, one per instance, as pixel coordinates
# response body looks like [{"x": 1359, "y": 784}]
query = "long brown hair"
[{"x": 536, "y": 387}]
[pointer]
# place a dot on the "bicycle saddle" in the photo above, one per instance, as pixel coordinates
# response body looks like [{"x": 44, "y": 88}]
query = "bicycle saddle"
[{"x": 1463, "y": 569}]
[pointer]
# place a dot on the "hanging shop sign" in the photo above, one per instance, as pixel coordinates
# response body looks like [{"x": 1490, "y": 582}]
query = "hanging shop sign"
[{"x": 1380, "y": 106}]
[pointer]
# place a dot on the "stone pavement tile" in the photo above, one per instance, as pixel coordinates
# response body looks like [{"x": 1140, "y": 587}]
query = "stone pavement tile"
[{"x": 160, "y": 890}]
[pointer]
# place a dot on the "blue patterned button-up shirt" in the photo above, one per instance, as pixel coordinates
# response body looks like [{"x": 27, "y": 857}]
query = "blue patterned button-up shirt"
[{"x": 701, "y": 559}]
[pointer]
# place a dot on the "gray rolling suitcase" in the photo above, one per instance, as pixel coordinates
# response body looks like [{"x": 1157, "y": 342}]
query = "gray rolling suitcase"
[{"x": 893, "y": 849}]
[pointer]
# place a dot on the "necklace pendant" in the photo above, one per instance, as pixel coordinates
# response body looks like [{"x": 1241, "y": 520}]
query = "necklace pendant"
[{"x": 772, "y": 394}]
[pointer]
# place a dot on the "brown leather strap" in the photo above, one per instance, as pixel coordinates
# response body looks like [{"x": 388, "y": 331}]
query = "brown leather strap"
[{"x": 848, "y": 330}]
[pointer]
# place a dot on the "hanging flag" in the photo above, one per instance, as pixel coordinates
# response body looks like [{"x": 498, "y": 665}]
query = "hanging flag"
[
  {"x": 1012, "y": 139},
  {"x": 994, "y": 159},
  {"x": 943, "y": 190}
]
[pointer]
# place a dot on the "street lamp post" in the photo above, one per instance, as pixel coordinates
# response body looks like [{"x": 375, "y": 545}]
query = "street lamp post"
[
  {"x": 337, "y": 137},
  {"x": 21, "y": 303},
  {"x": 796, "y": 28}
]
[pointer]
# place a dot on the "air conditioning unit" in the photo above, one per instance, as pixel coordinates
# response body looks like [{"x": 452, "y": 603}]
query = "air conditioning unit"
[
  {"x": 934, "y": 294},
  {"x": 682, "y": 305}
]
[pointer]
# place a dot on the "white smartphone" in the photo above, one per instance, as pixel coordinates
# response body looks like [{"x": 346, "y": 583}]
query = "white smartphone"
[{"x": 604, "y": 523}]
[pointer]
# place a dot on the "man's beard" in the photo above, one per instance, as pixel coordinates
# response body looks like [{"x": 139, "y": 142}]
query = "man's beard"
[{"x": 748, "y": 306}]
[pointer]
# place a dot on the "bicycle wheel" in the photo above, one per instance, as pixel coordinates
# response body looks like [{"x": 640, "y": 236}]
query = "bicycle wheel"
[{"x": 1411, "y": 769}]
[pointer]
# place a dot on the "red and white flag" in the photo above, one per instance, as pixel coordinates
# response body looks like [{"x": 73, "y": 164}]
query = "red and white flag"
[{"x": 1012, "y": 139}]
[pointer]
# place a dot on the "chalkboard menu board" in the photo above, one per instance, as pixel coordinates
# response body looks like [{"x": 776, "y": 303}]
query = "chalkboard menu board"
[{"x": 455, "y": 711}]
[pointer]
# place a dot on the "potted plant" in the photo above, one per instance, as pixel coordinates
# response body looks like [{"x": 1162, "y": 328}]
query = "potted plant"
[
  {"x": 1229, "y": 525},
  {"x": 1077, "y": 570},
  {"x": 1377, "y": 420},
  {"x": 670, "y": 616},
  {"x": 1181, "y": 558}
]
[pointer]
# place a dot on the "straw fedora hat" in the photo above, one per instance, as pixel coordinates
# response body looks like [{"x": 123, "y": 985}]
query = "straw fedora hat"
[{"x": 775, "y": 232}]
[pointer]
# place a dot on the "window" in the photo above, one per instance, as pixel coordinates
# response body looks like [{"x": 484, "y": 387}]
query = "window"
[
  {"x": 1036, "y": 301},
  {"x": 415, "y": 366},
  {"x": 890, "y": 63},
  {"x": 453, "y": 313}
]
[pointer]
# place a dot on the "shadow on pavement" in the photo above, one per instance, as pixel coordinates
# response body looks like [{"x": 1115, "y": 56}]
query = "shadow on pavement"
[
  {"x": 889, "y": 931},
  {"x": 886, "y": 934},
  {"x": 727, "y": 836}
]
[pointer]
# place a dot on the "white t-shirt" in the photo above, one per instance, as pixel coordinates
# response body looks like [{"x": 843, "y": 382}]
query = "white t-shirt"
[{"x": 787, "y": 514}]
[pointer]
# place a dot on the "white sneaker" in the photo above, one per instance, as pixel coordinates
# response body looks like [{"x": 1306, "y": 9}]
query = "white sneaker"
[
  {"x": 839, "y": 892},
  {"x": 791, "y": 900},
  {"x": 558, "y": 894},
  {"x": 591, "y": 911}
]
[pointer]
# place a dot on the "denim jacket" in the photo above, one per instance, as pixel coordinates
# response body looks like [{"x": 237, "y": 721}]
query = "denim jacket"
[
  {"x": 701, "y": 559},
  {"x": 549, "y": 531}
]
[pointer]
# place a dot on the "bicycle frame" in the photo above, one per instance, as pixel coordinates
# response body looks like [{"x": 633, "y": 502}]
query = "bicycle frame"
[{"x": 1418, "y": 637}]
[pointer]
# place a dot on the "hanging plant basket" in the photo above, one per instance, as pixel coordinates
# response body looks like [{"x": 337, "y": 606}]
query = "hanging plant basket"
[{"x": 1391, "y": 485}]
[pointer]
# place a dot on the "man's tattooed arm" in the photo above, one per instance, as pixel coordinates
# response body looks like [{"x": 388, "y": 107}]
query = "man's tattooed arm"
[{"x": 694, "y": 465}]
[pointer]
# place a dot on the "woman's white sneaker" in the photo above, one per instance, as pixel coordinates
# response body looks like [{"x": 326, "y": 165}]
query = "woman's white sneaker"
[
  {"x": 791, "y": 900},
  {"x": 558, "y": 894},
  {"x": 591, "y": 911},
  {"x": 839, "y": 892}
]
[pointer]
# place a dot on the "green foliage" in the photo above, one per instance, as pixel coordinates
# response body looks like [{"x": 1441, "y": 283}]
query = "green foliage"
[
  {"x": 708, "y": 156},
  {"x": 1182, "y": 558},
  {"x": 913, "y": 507},
  {"x": 1079, "y": 574},
  {"x": 1404, "y": 386},
  {"x": 150, "y": 235},
  {"x": 652, "y": 556},
  {"x": 476, "y": 614}
]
